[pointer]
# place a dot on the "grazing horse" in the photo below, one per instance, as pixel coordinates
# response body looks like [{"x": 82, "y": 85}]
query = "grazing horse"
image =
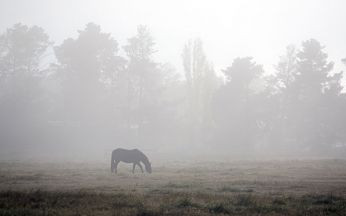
[{"x": 129, "y": 156}]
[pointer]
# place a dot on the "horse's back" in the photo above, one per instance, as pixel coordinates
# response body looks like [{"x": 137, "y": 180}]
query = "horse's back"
[
  {"x": 121, "y": 150},
  {"x": 126, "y": 155}
]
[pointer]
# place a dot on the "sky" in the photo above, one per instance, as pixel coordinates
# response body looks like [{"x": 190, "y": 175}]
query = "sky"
[{"x": 229, "y": 29}]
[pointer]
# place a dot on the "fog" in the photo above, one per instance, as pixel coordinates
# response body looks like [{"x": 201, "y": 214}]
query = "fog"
[{"x": 179, "y": 80}]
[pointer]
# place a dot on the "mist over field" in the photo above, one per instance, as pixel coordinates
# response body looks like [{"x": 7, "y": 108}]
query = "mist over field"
[{"x": 178, "y": 80}]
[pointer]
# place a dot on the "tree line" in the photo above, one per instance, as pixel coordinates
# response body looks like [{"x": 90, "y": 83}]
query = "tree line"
[{"x": 84, "y": 94}]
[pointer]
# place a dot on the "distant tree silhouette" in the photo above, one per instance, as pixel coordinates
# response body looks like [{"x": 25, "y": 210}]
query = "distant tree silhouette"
[
  {"x": 84, "y": 64},
  {"x": 22, "y": 50},
  {"x": 201, "y": 83},
  {"x": 237, "y": 107},
  {"x": 91, "y": 96},
  {"x": 312, "y": 100},
  {"x": 281, "y": 99},
  {"x": 287, "y": 67},
  {"x": 309, "y": 87},
  {"x": 145, "y": 83},
  {"x": 87, "y": 67}
]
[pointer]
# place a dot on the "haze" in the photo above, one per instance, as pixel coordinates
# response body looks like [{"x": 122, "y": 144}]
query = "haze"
[
  {"x": 226, "y": 79},
  {"x": 228, "y": 29}
]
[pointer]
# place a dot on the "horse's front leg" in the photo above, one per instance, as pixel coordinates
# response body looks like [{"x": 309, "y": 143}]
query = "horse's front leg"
[
  {"x": 116, "y": 166},
  {"x": 133, "y": 167},
  {"x": 140, "y": 166}
]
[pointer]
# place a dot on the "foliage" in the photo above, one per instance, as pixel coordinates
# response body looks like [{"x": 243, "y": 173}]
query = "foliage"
[{"x": 87, "y": 92}]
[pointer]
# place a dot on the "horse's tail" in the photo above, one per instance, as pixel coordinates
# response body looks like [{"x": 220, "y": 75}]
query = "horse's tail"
[{"x": 112, "y": 162}]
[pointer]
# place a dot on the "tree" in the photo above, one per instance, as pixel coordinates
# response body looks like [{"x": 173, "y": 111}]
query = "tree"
[
  {"x": 287, "y": 68},
  {"x": 344, "y": 60},
  {"x": 144, "y": 87},
  {"x": 312, "y": 86},
  {"x": 237, "y": 105},
  {"x": 282, "y": 99},
  {"x": 85, "y": 66},
  {"x": 22, "y": 50},
  {"x": 201, "y": 83},
  {"x": 242, "y": 75}
]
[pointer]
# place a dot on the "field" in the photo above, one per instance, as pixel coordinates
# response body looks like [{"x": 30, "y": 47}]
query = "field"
[{"x": 290, "y": 187}]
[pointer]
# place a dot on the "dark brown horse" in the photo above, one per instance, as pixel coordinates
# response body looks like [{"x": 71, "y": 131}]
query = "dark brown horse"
[{"x": 133, "y": 156}]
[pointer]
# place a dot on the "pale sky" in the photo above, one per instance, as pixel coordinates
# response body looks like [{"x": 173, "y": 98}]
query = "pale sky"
[{"x": 229, "y": 29}]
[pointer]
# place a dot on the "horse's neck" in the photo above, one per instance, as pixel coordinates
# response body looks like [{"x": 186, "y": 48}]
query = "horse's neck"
[{"x": 145, "y": 160}]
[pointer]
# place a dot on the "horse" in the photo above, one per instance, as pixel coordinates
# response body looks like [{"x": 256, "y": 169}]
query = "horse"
[{"x": 129, "y": 156}]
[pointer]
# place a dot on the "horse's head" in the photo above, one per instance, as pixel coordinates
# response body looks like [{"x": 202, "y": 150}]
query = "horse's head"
[{"x": 148, "y": 167}]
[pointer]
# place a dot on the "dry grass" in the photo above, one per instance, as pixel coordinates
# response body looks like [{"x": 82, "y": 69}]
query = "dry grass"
[{"x": 315, "y": 187}]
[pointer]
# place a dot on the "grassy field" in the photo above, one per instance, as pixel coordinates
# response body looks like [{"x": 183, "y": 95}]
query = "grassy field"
[{"x": 300, "y": 187}]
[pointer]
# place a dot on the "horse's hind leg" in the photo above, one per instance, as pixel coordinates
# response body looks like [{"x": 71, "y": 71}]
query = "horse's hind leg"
[{"x": 140, "y": 166}]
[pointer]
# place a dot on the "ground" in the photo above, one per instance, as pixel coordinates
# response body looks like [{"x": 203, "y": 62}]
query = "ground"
[{"x": 288, "y": 187}]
